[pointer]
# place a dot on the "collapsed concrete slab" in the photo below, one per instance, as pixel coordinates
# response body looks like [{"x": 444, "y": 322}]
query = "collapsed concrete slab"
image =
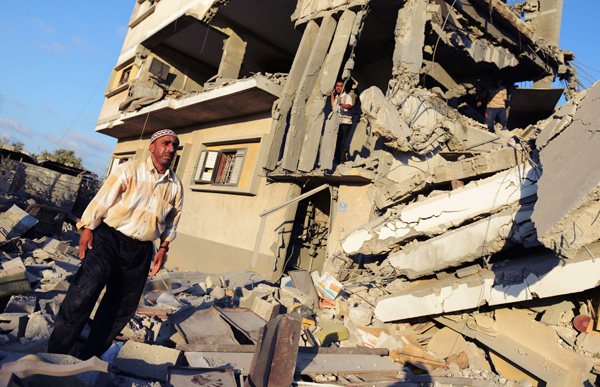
[
  {"x": 529, "y": 344},
  {"x": 440, "y": 213},
  {"x": 409, "y": 176},
  {"x": 540, "y": 275},
  {"x": 465, "y": 244},
  {"x": 568, "y": 201}
]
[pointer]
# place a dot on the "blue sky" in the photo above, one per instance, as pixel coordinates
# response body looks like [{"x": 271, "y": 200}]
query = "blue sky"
[{"x": 57, "y": 57}]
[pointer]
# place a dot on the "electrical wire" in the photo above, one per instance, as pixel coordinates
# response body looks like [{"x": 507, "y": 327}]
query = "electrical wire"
[{"x": 103, "y": 81}]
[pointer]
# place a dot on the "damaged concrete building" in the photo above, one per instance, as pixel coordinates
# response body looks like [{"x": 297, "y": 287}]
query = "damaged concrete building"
[
  {"x": 245, "y": 86},
  {"x": 432, "y": 224}
]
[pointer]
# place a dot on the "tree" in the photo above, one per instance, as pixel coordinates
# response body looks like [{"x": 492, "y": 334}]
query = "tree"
[
  {"x": 63, "y": 156},
  {"x": 18, "y": 145},
  {"x": 4, "y": 140}
]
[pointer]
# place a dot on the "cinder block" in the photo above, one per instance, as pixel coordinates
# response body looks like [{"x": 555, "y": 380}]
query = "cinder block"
[
  {"x": 145, "y": 360},
  {"x": 265, "y": 309},
  {"x": 39, "y": 326},
  {"x": 21, "y": 304},
  {"x": 13, "y": 324}
]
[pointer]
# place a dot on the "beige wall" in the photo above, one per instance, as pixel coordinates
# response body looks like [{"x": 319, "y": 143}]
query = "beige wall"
[
  {"x": 218, "y": 230},
  {"x": 357, "y": 213}
]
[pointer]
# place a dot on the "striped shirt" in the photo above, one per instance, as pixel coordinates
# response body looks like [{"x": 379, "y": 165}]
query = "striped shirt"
[
  {"x": 497, "y": 98},
  {"x": 137, "y": 203}
]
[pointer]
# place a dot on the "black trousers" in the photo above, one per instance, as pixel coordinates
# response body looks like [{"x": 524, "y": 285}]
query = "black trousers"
[{"x": 121, "y": 264}]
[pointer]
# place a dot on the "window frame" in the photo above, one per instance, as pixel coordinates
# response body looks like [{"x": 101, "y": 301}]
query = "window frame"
[{"x": 198, "y": 184}]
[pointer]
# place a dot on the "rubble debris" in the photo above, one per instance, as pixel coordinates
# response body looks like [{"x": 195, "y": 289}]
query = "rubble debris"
[
  {"x": 437, "y": 214},
  {"x": 564, "y": 218},
  {"x": 185, "y": 376},
  {"x": 146, "y": 361},
  {"x": 14, "y": 222},
  {"x": 25, "y": 368},
  {"x": 520, "y": 339},
  {"x": 276, "y": 350}
]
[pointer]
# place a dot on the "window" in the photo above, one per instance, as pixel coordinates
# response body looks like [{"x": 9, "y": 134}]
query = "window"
[
  {"x": 125, "y": 76},
  {"x": 222, "y": 167},
  {"x": 116, "y": 160},
  {"x": 228, "y": 165}
]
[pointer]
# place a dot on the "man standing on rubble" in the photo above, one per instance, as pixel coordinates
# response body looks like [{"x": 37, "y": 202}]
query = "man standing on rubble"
[
  {"x": 342, "y": 102},
  {"x": 496, "y": 105},
  {"x": 140, "y": 202}
]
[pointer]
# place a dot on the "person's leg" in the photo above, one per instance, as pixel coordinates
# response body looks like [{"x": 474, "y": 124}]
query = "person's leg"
[
  {"x": 490, "y": 118},
  {"x": 121, "y": 298},
  {"x": 502, "y": 118},
  {"x": 82, "y": 295}
]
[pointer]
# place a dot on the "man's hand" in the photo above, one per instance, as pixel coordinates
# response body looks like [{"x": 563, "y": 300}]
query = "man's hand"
[
  {"x": 85, "y": 242},
  {"x": 158, "y": 261}
]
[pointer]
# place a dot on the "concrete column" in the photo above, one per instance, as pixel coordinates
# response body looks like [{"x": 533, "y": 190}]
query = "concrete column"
[
  {"x": 410, "y": 38},
  {"x": 295, "y": 138},
  {"x": 280, "y": 120},
  {"x": 234, "y": 49},
  {"x": 322, "y": 91}
]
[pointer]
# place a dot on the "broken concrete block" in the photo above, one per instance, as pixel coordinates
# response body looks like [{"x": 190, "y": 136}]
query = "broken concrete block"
[
  {"x": 567, "y": 206},
  {"x": 265, "y": 309},
  {"x": 588, "y": 342},
  {"x": 341, "y": 308},
  {"x": 36, "y": 370},
  {"x": 360, "y": 315},
  {"x": 21, "y": 304},
  {"x": 38, "y": 326},
  {"x": 199, "y": 289},
  {"x": 50, "y": 307},
  {"x": 569, "y": 335},
  {"x": 299, "y": 295},
  {"x": 541, "y": 275},
  {"x": 211, "y": 282},
  {"x": 384, "y": 119},
  {"x": 13, "y": 324},
  {"x": 14, "y": 222},
  {"x": 217, "y": 293},
  {"x": 55, "y": 247},
  {"x": 464, "y": 244},
  {"x": 439, "y": 213},
  {"x": 447, "y": 344},
  {"x": 41, "y": 254},
  {"x": 145, "y": 360},
  {"x": 531, "y": 345},
  {"x": 87, "y": 378},
  {"x": 553, "y": 315}
]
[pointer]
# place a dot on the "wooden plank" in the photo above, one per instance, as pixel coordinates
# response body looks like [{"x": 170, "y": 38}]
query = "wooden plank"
[
  {"x": 239, "y": 361},
  {"x": 236, "y": 348},
  {"x": 277, "y": 350},
  {"x": 310, "y": 364},
  {"x": 232, "y": 348}
]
